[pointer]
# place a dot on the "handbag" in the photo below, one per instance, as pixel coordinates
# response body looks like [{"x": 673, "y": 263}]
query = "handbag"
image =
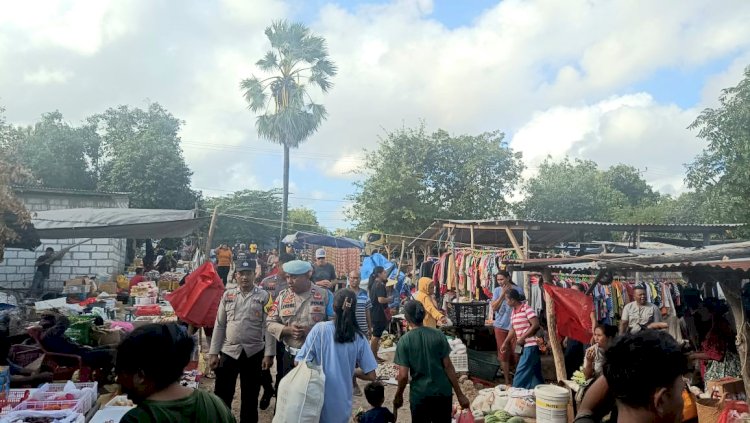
[{"x": 303, "y": 391}]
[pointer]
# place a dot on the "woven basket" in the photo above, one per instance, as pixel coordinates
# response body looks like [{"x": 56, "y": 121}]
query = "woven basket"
[{"x": 708, "y": 409}]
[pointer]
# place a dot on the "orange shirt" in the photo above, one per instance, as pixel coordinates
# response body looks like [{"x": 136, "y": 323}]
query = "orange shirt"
[{"x": 224, "y": 257}]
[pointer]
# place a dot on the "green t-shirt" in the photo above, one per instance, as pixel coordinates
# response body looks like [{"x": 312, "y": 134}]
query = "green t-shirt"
[
  {"x": 198, "y": 407},
  {"x": 422, "y": 350}
]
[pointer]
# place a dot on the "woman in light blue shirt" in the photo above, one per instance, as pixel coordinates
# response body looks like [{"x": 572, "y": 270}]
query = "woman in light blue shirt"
[
  {"x": 501, "y": 325},
  {"x": 343, "y": 352}
]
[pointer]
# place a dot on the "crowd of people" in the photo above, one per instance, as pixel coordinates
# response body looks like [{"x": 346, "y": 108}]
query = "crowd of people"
[{"x": 292, "y": 315}]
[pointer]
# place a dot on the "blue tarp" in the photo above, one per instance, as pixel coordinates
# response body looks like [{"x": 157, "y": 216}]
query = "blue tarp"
[
  {"x": 300, "y": 238},
  {"x": 377, "y": 259}
]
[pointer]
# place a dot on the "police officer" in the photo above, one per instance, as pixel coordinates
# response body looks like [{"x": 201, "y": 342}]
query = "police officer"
[
  {"x": 274, "y": 284},
  {"x": 296, "y": 310},
  {"x": 241, "y": 345}
]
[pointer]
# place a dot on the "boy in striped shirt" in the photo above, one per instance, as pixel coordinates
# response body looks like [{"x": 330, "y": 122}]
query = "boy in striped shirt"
[{"x": 363, "y": 313}]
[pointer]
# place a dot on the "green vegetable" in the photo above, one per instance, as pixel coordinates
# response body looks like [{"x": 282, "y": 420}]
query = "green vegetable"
[{"x": 516, "y": 420}]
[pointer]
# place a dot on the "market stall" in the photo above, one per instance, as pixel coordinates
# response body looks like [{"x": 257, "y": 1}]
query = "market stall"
[{"x": 343, "y": 253}]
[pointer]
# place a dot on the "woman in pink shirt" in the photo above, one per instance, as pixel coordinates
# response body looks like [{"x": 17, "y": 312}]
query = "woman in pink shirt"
[{"x": 524, "y": 325}]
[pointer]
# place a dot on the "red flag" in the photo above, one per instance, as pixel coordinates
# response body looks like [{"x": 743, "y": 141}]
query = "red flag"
[
  {"x": 573, "y": 310},
  {"x": 197, "y": 301}
]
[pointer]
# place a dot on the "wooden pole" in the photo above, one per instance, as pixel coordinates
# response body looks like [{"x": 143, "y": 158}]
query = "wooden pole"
[
  {"x": 471, "y": 232},
  {"x": 526, "y": 277},
  {"x": 554, "y": 341},
  {"x": 413, "y": 262},
  {"x": 732, "y": 291},
  {"x": 211, "y": 229}
]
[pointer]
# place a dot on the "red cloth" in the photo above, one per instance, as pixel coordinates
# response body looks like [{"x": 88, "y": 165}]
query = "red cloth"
[
  {"x": 197, "y": 301},
  {"x": 573, "y": 311},
  {"x": 136, "y": 279}
]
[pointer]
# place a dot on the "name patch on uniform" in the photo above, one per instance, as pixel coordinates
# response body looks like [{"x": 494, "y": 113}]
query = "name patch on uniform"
[
  {"x": 286, "y": 312},
  {"x": 316, "y": 309}
]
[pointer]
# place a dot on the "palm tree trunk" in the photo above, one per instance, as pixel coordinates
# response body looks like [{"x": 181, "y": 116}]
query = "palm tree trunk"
[{"x": 285, "y": 197}]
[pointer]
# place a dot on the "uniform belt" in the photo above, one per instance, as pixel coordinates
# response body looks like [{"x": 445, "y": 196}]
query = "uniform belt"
[{"x": 291, "y": 350}]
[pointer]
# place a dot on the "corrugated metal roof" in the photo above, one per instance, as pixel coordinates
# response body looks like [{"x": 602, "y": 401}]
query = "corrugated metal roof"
[
  {"x": 492, "y": 232},
  {"x": 519, "y": 222},
  {"x": 72, "y": 191}
]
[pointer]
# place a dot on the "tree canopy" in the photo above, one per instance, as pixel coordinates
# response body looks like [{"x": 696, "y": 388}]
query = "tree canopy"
[
  {"x": 570, "y": 190},
  {"x": 304, "y": 219},
  {"x": 413, "y": 178},
  {"x": 122, "y": 149},
  {"x": 144, "y": 157},
  {"x": 12, "y": 211},
  {"x": 720, "y": 172},
  {"x": 248, "y": 215}
]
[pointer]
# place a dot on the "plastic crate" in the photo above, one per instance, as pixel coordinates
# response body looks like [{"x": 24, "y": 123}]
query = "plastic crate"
[
  {"x": 12, "y": 399},
  {"x": 460, "y": 362},
  {"x": 483, "y": 364},
  {"x": 75, "y": 406},
  {"x": 87, "y": 401},
  {"x": 468, "y": 315}
]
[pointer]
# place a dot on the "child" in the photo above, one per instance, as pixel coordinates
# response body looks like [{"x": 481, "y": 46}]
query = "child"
[{"x": 375, "y": 394}]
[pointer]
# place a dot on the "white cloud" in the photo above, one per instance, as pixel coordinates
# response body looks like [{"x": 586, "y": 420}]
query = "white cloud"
[
  {"x": 82, "y": 26},
  {"x": 556, "y": 75},
  {"x": 44, "y": 76},
  {"x": 631, "y": 129}
]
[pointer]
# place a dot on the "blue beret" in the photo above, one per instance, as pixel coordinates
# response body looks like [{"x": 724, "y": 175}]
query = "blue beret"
[{"x": 297, "y": 267}]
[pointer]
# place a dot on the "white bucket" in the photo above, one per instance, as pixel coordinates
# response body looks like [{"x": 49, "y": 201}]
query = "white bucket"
[{"x": 551, "y": 404}]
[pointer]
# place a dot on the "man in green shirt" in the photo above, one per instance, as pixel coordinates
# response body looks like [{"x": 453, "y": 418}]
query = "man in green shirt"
[
  {"x": 150, "y": 362},
  {"x": 424, "y": 353}
]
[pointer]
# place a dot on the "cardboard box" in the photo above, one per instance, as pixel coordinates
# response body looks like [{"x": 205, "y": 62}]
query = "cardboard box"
[
  {"x": 108, "y": 287},
  {"x": 728, "y": 386},
  {"x": 77, "y": 281}
]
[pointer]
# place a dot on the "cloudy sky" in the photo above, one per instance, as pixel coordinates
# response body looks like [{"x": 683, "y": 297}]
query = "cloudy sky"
[{"x": 607, "y": 80}]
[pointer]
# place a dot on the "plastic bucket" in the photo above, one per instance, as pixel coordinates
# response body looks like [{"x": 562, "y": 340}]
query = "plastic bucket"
[{"x": 551, "y": 404}]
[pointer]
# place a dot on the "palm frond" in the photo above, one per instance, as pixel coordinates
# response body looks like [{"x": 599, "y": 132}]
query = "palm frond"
[
  {"x": 255, "y": 95},
  {"x": 269, "y": 62}
]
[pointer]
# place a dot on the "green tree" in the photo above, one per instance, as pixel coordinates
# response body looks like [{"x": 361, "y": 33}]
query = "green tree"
[
  {"x": 570, "y": 190},
  {"x": 141, "y": 154},
  {"x": 413, "y": 178},
  {"x": 304, "y": 219},
  {"x": 297, "y": 61},
  {"x": 628, "y": 180},
  {"x": 720, "y": 172},
  {"x": 13, "y": 213},
  {"x": 248, "y": 215},
  {"x": 56, "y": 153}
]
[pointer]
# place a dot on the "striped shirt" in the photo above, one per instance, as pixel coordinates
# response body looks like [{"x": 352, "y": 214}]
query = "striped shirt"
[
  {"x": 521, "y": 321},
  {"x": 363, "y": 307}
]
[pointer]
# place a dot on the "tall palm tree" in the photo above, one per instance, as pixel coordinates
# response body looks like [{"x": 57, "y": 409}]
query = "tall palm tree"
[{"x": 297, "y": 61}]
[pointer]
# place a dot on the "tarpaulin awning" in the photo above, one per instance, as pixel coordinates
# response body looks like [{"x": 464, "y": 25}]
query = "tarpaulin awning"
[
  {"x": 301, "y": 238},
  {"x": 115, "y": 223}
]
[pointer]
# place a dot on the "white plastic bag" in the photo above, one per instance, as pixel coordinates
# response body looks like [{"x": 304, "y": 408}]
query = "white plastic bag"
[{"x": 302, "y": 391}]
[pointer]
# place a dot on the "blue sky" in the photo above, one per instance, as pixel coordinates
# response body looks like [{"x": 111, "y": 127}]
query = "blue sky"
[{"x": 615, "y": 81}]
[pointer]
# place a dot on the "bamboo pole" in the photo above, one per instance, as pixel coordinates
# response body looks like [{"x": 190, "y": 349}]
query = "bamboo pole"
[
  {"x": 554, "y": 341},
  {"x": 211, "y": 229}
]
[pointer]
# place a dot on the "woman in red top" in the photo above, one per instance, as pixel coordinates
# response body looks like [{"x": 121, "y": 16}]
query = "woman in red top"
[
  {"x": 524, "y": 325},
  {"x": 138, "y": 277}
]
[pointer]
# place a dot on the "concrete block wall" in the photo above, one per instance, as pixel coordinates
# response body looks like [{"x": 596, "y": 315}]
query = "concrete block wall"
[{"x": 94, "y": 257}]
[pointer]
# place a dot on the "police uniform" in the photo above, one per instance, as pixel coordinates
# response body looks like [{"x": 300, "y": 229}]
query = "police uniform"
[
  {"x": 241, "y": 340},
  {"x": 273, "y": 285},
  {"x": 305, "y": 309}
]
